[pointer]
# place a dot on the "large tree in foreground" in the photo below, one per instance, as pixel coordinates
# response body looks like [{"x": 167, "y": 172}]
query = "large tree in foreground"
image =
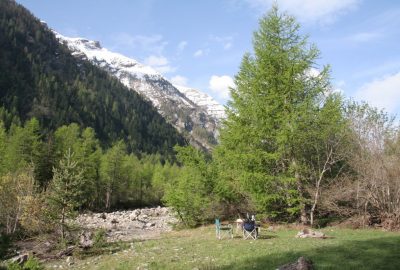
[{"x": 282, "y": 125}]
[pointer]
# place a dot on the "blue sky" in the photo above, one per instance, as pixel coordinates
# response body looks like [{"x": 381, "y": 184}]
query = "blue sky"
[{"x": 201, "y": 43}]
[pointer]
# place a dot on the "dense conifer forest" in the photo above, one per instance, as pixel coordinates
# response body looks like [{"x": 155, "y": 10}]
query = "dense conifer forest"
[{"x": 40, "y": 78}]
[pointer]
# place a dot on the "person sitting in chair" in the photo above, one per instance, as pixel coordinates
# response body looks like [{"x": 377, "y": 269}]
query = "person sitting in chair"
[{"x": 249, "y": 225}]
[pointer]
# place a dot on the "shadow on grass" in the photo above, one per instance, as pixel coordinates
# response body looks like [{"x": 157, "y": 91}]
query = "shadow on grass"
[
  {"x": 262, "y": 237},
  {"x": 374, "y": 254}
]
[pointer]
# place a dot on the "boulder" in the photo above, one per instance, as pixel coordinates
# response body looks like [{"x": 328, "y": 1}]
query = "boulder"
[
  {"x": 69, "y": 260},
  {"x": 85, "y": 240}
]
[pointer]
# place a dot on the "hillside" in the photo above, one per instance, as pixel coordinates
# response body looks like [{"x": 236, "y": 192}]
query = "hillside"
[
  {"x": 40, "y": 78},
  {"x": 191, "y": 112}
]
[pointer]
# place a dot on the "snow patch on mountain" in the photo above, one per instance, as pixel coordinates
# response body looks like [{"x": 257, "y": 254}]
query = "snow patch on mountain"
[
  {"x": 185, "y": 108},
  {"x": 94, "y": 52},
  {"x": 203, "y": 100}
]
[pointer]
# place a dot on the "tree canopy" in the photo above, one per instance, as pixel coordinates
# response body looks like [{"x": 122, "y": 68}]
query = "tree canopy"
[{"x": 277, "y": 117}]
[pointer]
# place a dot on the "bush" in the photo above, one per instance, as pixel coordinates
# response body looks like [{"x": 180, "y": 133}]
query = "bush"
[
  {"x": 99, "y": 239},
  {"x": 188, "y": 196},
  {"x": 4, "y": 244},
  {"x": 31, "y": 264}
]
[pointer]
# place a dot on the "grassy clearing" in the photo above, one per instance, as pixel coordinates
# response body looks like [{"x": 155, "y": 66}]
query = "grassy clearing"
[{"x": 199, "y": 249}]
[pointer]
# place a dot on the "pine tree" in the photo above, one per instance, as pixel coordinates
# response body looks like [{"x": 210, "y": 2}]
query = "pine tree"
[
  {"x": 276, "y": 99},
  {"x": 65, "y": 191},
  {"x": 111, "y": 172}
]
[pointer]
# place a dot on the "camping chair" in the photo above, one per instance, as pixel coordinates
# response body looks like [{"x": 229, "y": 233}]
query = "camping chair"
[
  {"x": 223, "y": 228},
  {"x": 250, "y": 229}
]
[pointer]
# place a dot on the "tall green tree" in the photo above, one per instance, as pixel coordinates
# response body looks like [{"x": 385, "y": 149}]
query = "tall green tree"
[
  {"x": 276, "y": 102},
  {"x": 111, "y": 171},
  {"x": 88, "y": 158},
  {"x": 65, "y": 191},
  {"x": 23, "y": 145}
]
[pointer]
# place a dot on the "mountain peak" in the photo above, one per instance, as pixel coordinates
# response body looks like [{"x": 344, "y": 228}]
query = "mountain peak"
[
  {"x": 96, "y": 53},
  {"x": 189, "y": 110},
  {"x": 215, "y": 109}
]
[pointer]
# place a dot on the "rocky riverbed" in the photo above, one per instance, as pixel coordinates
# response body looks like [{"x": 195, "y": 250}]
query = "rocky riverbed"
[{"x": 146, "y": 223}]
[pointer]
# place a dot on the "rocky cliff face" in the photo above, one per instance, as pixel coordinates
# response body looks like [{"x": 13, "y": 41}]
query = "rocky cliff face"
[{"x": 193, "y": 113}]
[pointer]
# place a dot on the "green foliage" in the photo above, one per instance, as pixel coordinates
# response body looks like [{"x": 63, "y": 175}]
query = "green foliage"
[
  {"x": 65, "y": 191},
  {"x": 188, "y": 197},
  {"x": 190, "y": 192},
  {"x": 111, "y": 171},
  {"x": 87, "y": 152},
  {"x": 3, "y": 144},
  {"x": 5, "y": 242},
  {"x": 99, "y": 239},
  {"x": 23, "y": 144},
  {"x": 279, "y": 109},
  {"x": 15, "y": 191},
  {"x": 162, "y": 176},
  {"x": 31, "y": 264}
]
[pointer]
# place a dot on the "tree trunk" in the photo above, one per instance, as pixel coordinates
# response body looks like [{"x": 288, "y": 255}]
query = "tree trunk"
[
  {"x": 63, "y": 224},
  {"x": 108, "y": 197},
  {"x": 17, "y": 217},
  {"x": 316, "y": 196},
  {"x": 303, "y": 212}
]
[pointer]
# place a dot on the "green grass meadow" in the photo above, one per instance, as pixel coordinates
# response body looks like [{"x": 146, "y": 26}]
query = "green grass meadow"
[{"x": 199, "y": 249}]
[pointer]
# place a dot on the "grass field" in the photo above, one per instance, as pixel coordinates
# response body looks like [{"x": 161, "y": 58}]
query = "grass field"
[{"x": 199, "y": 249}]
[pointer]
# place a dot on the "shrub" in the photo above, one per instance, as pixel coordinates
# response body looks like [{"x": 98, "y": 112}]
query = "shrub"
[
  {"x": 99, "y": 239},
  {"x": 31, "y": 264}
]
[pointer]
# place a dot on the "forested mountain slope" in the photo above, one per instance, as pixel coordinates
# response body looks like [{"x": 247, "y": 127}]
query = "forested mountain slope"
[
  {"x": 191, "y": 112},
  {"x": 40, "y": 78}
]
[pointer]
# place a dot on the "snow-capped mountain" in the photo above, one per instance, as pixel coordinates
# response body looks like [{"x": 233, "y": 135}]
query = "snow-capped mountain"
[
  {"x": 192, "y": 112},
  {"x": 203, "y": 100}
]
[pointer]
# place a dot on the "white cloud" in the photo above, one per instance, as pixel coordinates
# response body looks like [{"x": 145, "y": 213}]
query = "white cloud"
[
  {"x": 338, "y": 87},
  {"x": 220, "y": 85},
  {"x": 379, "y": 70},
  {"x": 154, "y": 43},
  {"x": 153, "y": 60},
  {"x": 324, "y": 11},
  {"x": 227, "y": 46},
  {"x": 226, "y": 41},
  {"x": 383, "y": 93},
  {"x": 182, "y": 45},
  {"x": 312, "y": 72},
  {"x": 201, "y": 52},
  {"x": 179, "y": 80},
  {"x": 364, "y": 37},
  {"x": 198, "y": 53},
  {"x": 159, "y": 63}
]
